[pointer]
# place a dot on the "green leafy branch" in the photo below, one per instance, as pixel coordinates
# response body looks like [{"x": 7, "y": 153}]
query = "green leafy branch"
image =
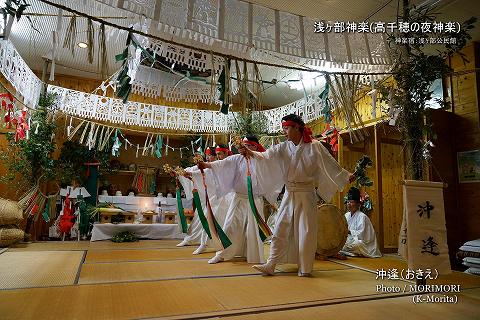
[{"x": 15, "y": 9}]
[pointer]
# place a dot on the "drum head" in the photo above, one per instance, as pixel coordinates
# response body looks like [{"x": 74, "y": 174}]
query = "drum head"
[{"x": 332, "y": 230}]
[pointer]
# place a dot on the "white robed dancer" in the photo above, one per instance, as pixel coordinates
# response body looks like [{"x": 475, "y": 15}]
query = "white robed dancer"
[
  {"x": 196, "y": 233},
  {"x": 240, "y": 224},
  {"x": 304, "y": 166},
  {"x": 361, "y": 240}
]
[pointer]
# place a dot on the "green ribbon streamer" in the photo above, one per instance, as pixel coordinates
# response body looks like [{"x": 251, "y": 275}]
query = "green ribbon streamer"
[
  {"x": 122, "y": 56},
  {"x": 201, "y": 215},
  {"x": 251, "y": 200},
  {"x": 221, "y": 234},
  {"x": 46, "y": 212},
  {"x": 158, "y": 147},
  {"x": 181, "y": 213}
]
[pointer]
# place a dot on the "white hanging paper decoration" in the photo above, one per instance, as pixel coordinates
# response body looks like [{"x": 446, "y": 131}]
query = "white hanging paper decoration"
[
  {"x": 145, "y": 144},
  {"x": 69, "y": 127}
]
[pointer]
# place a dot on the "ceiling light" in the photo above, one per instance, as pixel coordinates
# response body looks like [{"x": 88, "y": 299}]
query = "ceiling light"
[{"x": 82, "y": 45}]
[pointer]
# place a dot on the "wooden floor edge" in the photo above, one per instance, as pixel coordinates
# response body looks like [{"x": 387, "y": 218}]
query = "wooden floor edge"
[{"x": 282, "y": 307}]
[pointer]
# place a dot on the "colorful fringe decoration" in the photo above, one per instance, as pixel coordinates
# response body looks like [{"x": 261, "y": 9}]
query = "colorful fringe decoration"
[
  {"x": 181, "y": 212},
  {"x": 263, "y": 228},
  {"x": 34, "y": 202},
  {"x": 7, "y": 105}
]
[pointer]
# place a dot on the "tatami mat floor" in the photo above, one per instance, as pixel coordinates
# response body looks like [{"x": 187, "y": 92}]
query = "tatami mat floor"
[{"x": 154, "y": 279}]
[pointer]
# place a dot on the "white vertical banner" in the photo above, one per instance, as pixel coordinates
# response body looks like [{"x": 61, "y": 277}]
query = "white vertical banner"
[{"x": 425, "y": 226}]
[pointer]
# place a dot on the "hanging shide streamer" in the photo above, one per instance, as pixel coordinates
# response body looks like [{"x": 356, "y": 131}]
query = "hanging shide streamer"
[
  {"x": 72, "y": 133},
  {"x": 104, "y": 141},
  {"x": 69, "y": 127},
  {"x": 102, "y": 52},
  {"x": 84, "y": 132},
  {"x": 90, "y": 40},
  {"x": 70, "y": 39},
  {"x": 145, "y": 144}
]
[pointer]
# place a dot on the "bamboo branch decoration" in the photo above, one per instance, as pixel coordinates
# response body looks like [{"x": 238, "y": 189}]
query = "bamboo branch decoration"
[{"x": 344, "y": 89}]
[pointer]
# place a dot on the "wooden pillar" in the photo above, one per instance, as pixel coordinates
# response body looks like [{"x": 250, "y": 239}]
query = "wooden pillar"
[
  {"x": 378, "y": 184},
  {"x": 341, "y": 161}
]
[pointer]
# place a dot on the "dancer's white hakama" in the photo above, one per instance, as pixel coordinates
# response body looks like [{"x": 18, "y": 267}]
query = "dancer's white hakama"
[
  {"x": 196, "y": 233},
  {"x": 240, "y": 224},
  {"x": 302, "y": 168}
]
